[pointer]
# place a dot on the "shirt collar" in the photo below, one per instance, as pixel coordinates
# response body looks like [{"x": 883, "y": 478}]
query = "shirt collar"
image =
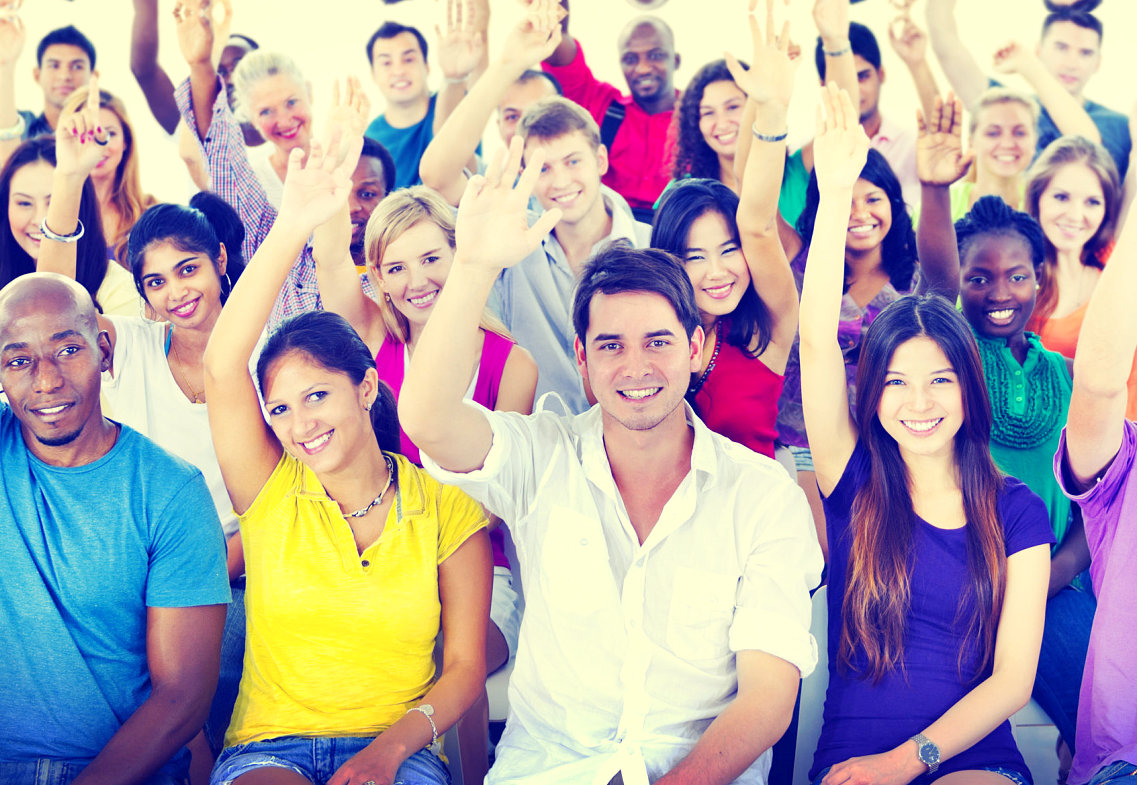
[
  {"x": 407, "y": 480},
  {"x": 623, "y": 224}
]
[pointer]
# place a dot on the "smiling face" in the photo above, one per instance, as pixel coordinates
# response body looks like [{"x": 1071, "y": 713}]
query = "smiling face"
[
  {"x": 1072, "y": 207},
  {"x": 1005, "y": 138},
  {"x": 921, "y": 405},
  {"x": 319, "y": 415},
  {"x": 183, "y": 287},
  {"x": 1071, "y": 53},
  {"x": 281, "y": 112},
  {"x": 997, "y": 285},
  {"x": 720, "y": 111},
  {"x": 870, "y": 217},
  {"x": 115, "y": 148},
  {"x": 368, "y": 187},
  {"x": 637, "y": 359},
  {"x": 63, "y": 69},
  {"x": 413, "y": 269},
  {"x": 50, "y": 361},
  {"x": 399, "y": 69},
  {"x": 28, "y": 198},
  {"x": 570, "y": 176},
  {"x": 648, "y": 59},
  {"x": 716, "y": 266}
]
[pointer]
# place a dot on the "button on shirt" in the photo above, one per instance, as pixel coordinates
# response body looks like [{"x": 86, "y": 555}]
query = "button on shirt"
[
  {"x": 534, "y": 300},
  {"x": 627, "y": 651}
]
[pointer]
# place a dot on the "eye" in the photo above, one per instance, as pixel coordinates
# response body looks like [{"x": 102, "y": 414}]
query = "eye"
[
  {"x": 544, "y": 169},
  {"x": 894, "y": 383},
  {"x": 154, "y": 283},
  {"x": 430, "y": 260},
  {"x": 276, "y": 411},
  {"x": 189, "y": 270},
  {"x": 69, "y": 350},
  {"x": 292, "y": 102},
  {"x": 943, "y": 380},
  {"x": 1060, "y": 197},
  {"x": 609, "y": 347},
  {"x": 694, "y": 256},
  {"x": 729, "y": 249},
  {"x": 628, "y": 60},
  {"x": 977, "y": 280},
  {"x": 659, "y": 343},
  {"x": 23, "y": 203},
  {"x": 657, "y": 56},
  {"x": 1018, "y": 278},
  {"x": 316, "y": 396},
  {"x": 574, "y": 161},
  {"x": 265, "y": 112},
  {"x": 18, "y": 362},
  {"x": 1094, "y": 202},
  {"x": 705, "y": 113},
  {"x": 994, "y": 132},
  {"x": 368, "y": 194},
  {"x": 394, "y": 269}
]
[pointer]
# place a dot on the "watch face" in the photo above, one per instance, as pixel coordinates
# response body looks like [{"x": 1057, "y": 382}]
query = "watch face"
[{"x": 929, "y": 753}]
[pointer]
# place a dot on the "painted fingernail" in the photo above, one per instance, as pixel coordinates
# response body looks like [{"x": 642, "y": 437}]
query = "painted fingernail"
[{"x": 99, "y": 130}]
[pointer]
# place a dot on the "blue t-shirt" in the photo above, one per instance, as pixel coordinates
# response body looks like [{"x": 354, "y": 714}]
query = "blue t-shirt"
[
  {"x": 863, "y": 718},
  {"x": 1113, "y": 127},
  {"x": 84, "y": 552},
  {"x": 406, "y": 145}
]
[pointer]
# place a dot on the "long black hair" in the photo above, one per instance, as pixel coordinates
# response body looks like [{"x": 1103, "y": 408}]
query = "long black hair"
[
  {"x": 685, "y": 203},
  {"x": 898, "y": 251},
  {"x": 91, "y": 255},
  {"x": 328, "y": 340}
]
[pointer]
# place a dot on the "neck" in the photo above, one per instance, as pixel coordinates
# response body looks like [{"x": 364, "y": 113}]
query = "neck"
[
  {"x": 872, "y": 123},
  {"x": 929, "y": 474},
  {"x": 1009, "y": 189},
  {"x": 104, "y": 189},
  {"x": 403, "y": 114},
  {"x": 664, "y": 102},
  {"x": 358, "y": 255},
  {"x": 657, "y": 457},
  {"x": 1068, "y": 261},
  {"x": 862, "y": 263},
  {"x": 96, "y": 440},
  {"x": 577, "y": 239},
  {"x": 356, "y": 485}
]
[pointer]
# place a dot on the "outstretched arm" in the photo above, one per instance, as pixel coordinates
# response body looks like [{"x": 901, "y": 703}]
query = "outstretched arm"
[
  {"x": 1106, "y": 346},
  {"x": 492, "y": 233},
  {"x": 196, "y": 39},
  {"x": 911, "y": 44},
  {"x": 12, "y": 38},
  {"x": 769, "y": 85},
  {"x": 444, "y": 161},
  {"x": 832, "y": 19},
  {"x": 962, "y": 70},
  {"x": 1065, "y": 110},
  {"x": 462, "y": 50},
  {"x": 840, "y": 150},
  {"x": 151, "y": 77},
  {"x": 940, "y": 161},
  {"x": 565, "y": 52}
]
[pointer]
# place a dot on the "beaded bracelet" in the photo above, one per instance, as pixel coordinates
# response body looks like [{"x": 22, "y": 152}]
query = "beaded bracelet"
[
  {"x": 61, "y": 238},
  {"x": 761, "y": 137}
]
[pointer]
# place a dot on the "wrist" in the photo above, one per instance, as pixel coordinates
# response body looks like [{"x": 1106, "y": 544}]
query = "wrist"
[
  {"x": 475, "y": 272},
  {"x": 836, "y": 47}
]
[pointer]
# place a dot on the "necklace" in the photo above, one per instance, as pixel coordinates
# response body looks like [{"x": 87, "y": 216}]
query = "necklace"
[
  {"x": 698, "y": 383},
  {"x": 376, "y": 500},
  {"x": 198, "y": 397}
]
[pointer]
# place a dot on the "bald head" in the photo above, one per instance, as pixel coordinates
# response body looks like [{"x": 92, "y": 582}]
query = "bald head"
[
  {"x": 47, "y": 293},
  {"x": 648, "y": 59}
]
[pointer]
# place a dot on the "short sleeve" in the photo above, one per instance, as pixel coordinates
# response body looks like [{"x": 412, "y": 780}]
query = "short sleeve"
[
  {"x": 284, "y": 478},
  {"x": 459, "y": 517},
  {"x": 187, "y": 556},
  {"x": 1101, "y": 504},
  {"x": 1026, "y": 522}
]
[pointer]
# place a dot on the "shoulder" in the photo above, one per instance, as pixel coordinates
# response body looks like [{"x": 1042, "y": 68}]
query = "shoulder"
[{"x": 1024, "y": 516}]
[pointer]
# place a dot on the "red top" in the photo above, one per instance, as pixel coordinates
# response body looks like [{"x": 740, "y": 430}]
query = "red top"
[
  {"x": 739, "y": 398},
  {"x": 495, "y": 351},
  {"x": 641, "y": 151}
]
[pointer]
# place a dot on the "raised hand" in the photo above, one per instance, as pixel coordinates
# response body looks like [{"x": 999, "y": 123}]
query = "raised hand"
[
  {"x": 840, "y": 147},
  {"x": 316, "y": 190},
  {"x": 940, "y": 159},
  {"x": 462, "y": 46},
  {"x": 349, "y": 112},
  {"x": 221, "y": 29},
  {"x": 908, "y": 40},
  {"x": 1011, "y": 57},
  {"x": 12, "y": 36},
  {"x": 80, "y": 141},
  {"x": 492, "y": 228},
  {"x": 536, "y": 36},
  {"x": 832, "y": 20},
  {"x": 194, "y": 19},
  {"x": 770, "y": 77}
]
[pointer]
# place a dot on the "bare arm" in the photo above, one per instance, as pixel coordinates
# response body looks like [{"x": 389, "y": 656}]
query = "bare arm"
[
  {"x": 195, "y": 37},
  {"x": 151, "y": 77},
  {"x": 1072, "y": 556},
  {"x": 492, "y": 233},
  {"x": 183, "y": 654},
  {"x": 462, "y": 50},
  {"x": 565, "y": 52},
  {"x": 12, "y": 38},
  {"x": 751, "y": 724},
  {"x": 962, "y": 70},
  {"x": 832, "y": 19},
  {"x": 911, "y": 44},
  {"x": 518, "y": 383},
  {"x": 341, "y": 291},
  {"x": 1068, "y": 114}
]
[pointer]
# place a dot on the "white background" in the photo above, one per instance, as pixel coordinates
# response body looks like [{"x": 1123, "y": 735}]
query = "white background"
[{"x": 327, "y": 38}]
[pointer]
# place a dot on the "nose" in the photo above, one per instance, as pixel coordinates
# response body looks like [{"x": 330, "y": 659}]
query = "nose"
[
  {"x": 636, "y": 362},
  {"x": 40, "y": 213},
  {"x": 1000, "y": 291},
  {"x": 643, "y": 65},
  {"x": 47, "y": 376},
  {"x": 919, "y": 399},
  {"x": 417, "y": 275},
  {"x": 353, "y": 204},
  {"x": 859, "y": 210}
]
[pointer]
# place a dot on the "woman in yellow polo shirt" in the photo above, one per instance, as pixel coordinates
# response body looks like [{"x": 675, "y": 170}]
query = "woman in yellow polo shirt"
[{"x": 355, "y": 559}]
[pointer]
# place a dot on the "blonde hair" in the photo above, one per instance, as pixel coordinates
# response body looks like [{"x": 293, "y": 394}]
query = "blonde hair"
[
  {"x": 398, "y": 212},
  {"x": 127, "y": 197},
  {"x": 257, "y": 66},
  {"x": 994, "y": 96}
]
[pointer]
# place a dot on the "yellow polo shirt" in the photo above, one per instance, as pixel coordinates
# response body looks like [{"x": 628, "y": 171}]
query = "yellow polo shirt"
[{"x": 340, "y": 643}]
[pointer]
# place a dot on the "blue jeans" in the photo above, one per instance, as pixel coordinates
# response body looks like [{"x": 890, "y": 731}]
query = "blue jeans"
[
  {"x": 61, "y": 772},
  {"x": 1065, "y": 639},
  {"x": 1011, "y": 774},
  {"x": 317, "y": 759},
  {"x": 1119, "y": 771},
  {"x": 232, "y": 662}
]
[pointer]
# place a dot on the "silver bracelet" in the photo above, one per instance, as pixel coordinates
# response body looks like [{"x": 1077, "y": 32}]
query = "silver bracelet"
[
  {"x": 16, "y": 131},
  {"x": 456, "y": 80},
  {"x": 61, "y": 238},
  {"x": 761, "y": 137},
  {"x": 427, "y": 711},
  {"x": 844, "y": 50}
]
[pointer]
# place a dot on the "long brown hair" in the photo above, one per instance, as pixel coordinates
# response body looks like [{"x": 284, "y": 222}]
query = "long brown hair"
[
  {"x": 878, "y": 589},
  {"x": 1062, "y": 151}
]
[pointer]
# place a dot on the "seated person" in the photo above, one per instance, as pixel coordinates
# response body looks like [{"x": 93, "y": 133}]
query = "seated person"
[
  {"x": 666, "y": 568},
  {"x": 113, "y": 592}
]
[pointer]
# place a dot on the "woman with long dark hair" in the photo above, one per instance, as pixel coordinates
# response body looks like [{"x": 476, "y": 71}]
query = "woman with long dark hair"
[{"x": 938, "y": 564}]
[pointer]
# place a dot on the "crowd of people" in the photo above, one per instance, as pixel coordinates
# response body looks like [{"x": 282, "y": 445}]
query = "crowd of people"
[{"x": 268, "y": 457}]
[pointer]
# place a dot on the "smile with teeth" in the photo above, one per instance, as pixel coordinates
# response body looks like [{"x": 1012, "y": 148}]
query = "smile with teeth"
[
  {"x": 640, "y": 394},
  {"x": 186, "y": 309},
  {"x": 862, "y": 229},
  {"x": 921, "y": 426},
  {"x": 52, "y": 410},
  {"x": 719, "y": 292},
  {"x": 289, "y": 133},
  {"x": 315, "y": 445},
  {"x": 1001, "y": 315},
  {"x": 568, "y": 198},
  {"x": 423, "y": 300}
]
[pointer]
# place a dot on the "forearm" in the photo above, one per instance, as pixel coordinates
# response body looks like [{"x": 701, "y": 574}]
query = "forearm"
[
  {"x": 762, "y": 176},
  {"x": 936, "y": 243},
  {"x": 823, "y": 284},
  {"x": 926, "y": 89},
  {"x": 448, "y": 99},
  {"x": 842, "y": 70},
  {"x": 1067, "y": 112},
  {"x": 341, "y": 291},
  {"x": 9, "y": 116},
  {"x": 151, "y": 77},
  {"x": 62, "y": 218},
  {"x": 565, "y": 52},
  {"x": 979, "y": 712},
  {"x": 962, "y": 71},
  {"x": 204, "y": 89}
]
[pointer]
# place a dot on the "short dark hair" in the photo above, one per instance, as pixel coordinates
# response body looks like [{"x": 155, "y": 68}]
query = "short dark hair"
[
  {"x": 373, "y": 149},
  {"x": 863, "y": 42},
  {"x": 70, "y": 36},
  {"x": 991, "y": 216},
  {"x": 253, "y": 45},
  {"x": 619, "y": 268},
  {"x": 1075, "y": 14},
  {"x": 529, "y": 74},
  {"x": 389, "y": 30}
]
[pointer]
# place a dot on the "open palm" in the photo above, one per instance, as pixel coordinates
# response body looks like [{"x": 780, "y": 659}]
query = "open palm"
[
  {"x": 940, "y": 159},
  {"x": 314, "y": 191},
  {"x": 840, "y": 147},
  {"x": 770, "y": 77}
]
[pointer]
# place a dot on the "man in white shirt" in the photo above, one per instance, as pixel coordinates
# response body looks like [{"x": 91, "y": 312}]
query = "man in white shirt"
[{"x": 666, "y": 569}]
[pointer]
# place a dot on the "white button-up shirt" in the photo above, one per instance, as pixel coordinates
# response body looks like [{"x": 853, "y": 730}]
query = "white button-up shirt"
[{"x": 627, "y": 651}]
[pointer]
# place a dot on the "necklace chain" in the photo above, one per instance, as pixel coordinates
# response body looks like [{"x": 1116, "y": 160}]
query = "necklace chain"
[
  {"x": 698, "y": 383},
  {"x": 197, "y": 397},
  {"x": 377, "y": 499}
]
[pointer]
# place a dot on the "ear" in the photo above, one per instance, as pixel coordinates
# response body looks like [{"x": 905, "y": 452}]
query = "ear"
[
  {"x": 222, "y": 260},
  {"x": 602, "y": 160},
  {"x": 698, "y": 338},
  {"x": 369, "y": 388},
  {"x": 676, "y": 61},
  {"x": 581, "y": 359},
  {"x": 35, "y": 73},
  {"x": 880, "y": 74},
  {"x": 106, "y": 351}
]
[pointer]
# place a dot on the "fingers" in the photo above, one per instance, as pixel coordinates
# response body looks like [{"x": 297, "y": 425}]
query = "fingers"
[
  {"x": 532, "y": 171},
  {"x": 543, "y": 226},
  {"x": 769, "y": 22},
  {"x": 737, "y": 72}
]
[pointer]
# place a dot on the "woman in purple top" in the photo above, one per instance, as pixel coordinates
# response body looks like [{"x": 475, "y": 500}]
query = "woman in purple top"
[{"x": 939, "y": 564}]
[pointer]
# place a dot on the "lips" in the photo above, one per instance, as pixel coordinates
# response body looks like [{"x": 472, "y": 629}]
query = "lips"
[
  {"x": 922, "y": 427},
  {"x": 639, "y": 394},
  {"x": 719, "y": 292},
  {"x": 186, "y": 310},
  {"x": 423, "y": 300},
  {"x": 1001, "y": 316},
  {"x": 863, "y": 229},
  {"x": 52, "y": 412},
  {"x": 313, "y": 446}
]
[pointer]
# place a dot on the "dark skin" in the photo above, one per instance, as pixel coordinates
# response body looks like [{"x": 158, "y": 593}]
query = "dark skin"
[
  {"x": 51, "y": 356},
  {"x": 368, "y": 187}
]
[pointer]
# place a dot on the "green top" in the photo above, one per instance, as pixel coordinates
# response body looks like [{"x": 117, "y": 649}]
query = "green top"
[{"x": 1029, "y": 403}]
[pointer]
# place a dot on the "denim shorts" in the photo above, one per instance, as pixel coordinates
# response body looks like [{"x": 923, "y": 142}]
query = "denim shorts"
[
  {"x": 317, "y": 759},
  {"x": 803, "y": 458},
  {"x": 1118, "y": 771},
  {"x": 61, "y": 772},
  {"x": 1014, "y": 776}
]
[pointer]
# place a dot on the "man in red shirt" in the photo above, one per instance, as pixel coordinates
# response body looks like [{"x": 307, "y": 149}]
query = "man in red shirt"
[{"x": 635, "y": 128}]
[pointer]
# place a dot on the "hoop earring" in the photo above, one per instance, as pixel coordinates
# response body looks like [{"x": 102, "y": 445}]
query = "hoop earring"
[{"x": 226, "y": 285}]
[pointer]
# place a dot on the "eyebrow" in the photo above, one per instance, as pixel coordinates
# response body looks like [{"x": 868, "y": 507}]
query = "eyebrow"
[
  {"x": 602, "y": 337},
  {"x": 931, "y": 373},
  {"x": 177, "y": 267}
]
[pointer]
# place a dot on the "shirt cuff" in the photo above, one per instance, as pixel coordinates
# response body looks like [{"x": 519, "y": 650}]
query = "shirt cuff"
[
  {"x": 491, "y": 467},
  {"x": 773, "y": 633}
]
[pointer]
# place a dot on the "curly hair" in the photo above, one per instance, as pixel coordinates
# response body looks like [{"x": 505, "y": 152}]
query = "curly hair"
[
  {"x": 693, "y": 157},
  {"x": 989, "y": 216}
]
